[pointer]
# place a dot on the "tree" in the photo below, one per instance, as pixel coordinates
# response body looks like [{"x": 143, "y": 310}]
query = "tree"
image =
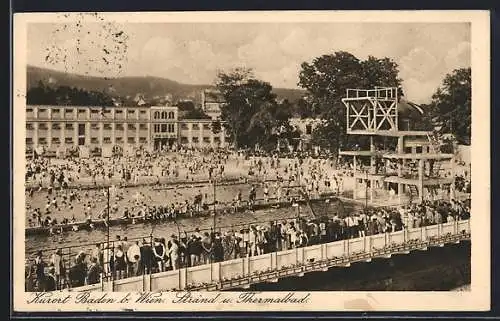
[
  {"x": 185, "y": 105},
  {"x": 65, "y": 95},
  {"x": 216, "y": 127},
  {"x": 326, "y": 79},
  {"x": 303, "y": 109},
  {"x": 451, "y": 105},
  {"x": 195, "y": 114},
  {"x": 251, "y": 114}
]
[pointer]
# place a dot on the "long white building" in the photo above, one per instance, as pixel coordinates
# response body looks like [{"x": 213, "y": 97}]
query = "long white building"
[{"x": 59, "y": 128}]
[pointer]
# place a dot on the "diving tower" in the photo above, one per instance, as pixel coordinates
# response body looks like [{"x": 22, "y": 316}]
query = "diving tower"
[{"x": 412, "y": 168}]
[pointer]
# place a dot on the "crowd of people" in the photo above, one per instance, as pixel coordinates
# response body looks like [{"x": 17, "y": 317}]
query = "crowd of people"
[
  {"x": 122, "y": 258},
  {"x": 50, "y": 202}
]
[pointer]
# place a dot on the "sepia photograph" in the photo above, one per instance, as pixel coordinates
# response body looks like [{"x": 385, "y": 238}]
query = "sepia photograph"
[{"x": 230, "y": 160}]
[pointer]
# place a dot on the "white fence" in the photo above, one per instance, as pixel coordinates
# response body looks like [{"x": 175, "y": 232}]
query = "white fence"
[{"x": 272, "y": 266}]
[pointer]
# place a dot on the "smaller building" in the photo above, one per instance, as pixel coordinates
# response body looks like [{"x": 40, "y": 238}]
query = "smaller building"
[
  {"x": 211, "y": 102},
  {"x": 306, "y": 127},
  {"x": 198, "y": 133}
]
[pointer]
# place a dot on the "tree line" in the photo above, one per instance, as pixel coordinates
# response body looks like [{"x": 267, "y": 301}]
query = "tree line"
[{"x": 253, "y": 116}]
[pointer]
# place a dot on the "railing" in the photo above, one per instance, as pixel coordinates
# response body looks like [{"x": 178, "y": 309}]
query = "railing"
[
  {"x": 380, "y": 92},
  {"x": 244, "y": 271}
]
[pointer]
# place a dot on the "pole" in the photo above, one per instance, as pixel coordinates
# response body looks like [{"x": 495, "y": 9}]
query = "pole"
[
  {"x": 366, "y": 190},
  {"x": 107, "y": 225},
  {"x": 107, "y": 237},
  {"x": 215, "y": 211}
]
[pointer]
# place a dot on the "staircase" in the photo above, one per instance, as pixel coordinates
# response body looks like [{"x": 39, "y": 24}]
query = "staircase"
[
  {"x": 435, "y": 146},
  {"x": 436, "y": 169},
  {"x": 413, "y": 191}
]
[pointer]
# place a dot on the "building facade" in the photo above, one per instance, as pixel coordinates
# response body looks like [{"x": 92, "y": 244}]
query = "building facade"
[
  {"x": 59, "y": 128},
  {"x": 211, "y": 102}
]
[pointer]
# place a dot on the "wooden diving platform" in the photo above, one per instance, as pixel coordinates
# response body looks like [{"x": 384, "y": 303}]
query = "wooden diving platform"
[
  {"x": 391, "y": 133},
  {"x": 373, "y": 177},
  {"x": 424, "y": 156},
  {"x": 360, "y": 153},
  {"x": 426, "y": 181}
]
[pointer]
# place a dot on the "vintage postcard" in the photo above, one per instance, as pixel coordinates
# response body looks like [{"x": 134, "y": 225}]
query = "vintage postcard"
[{"x": 244, "y": 161}]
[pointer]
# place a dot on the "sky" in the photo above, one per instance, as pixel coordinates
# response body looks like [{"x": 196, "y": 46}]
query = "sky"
[{"x": 193, "y": 52}]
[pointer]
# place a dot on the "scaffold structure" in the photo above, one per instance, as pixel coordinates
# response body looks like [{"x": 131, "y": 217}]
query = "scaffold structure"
[{"x": 414, "y": 169}]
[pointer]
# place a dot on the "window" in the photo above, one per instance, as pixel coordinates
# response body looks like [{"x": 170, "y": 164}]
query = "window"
[
  {"x": 131, "y": 126},
  {"x": 68, "y": 110},
  {"x": 195, "y": 139},
  {"x": 94, "y": 125},
  {"x": 118, "y": 112},
  {"x": 56, "y": 126},
  {"x": 107, "y": 126},
  {"x": 56, "y": 140},
  {"x": 131, "y": 140},
  {"x": 171, "y": 128},
  {"x": 94, "y": 140},
  {"x": 82, "y": 111},
  {"x": 29, "y": 110},
  {"x": 408, "y": 150},
  {"x": 29, "y": 140},
  {"x": 94, "y": 111},
  {"x": 118, "y": 126},
  {"x": 206, "y": 126},
  {"x": 171, "y": 115},
  {"x": 156, "y": 115},
  {"x": 107, "y": 111},
  {"x": 163, "y": 115},
  {"x": 42, "y": 140},
  {"x": 143, "y": 126},
  {"x": 163, "y": 128},
  {"x": 56, "y": 111},
  {"x": 119, "y": 140},
  {"x": 419, "y": 149},
  {"x": 68, "y": 140},
  {"x": 43, "y": 126},
  {"x": 143, "y": 112},
  {"x": 29, "y": 126},
  {"x": 206, "y": 139},
  {"x": 184, "y": 126},
  {"x": 217, "y": 139},
  {"x": 81, "y": 129},
  {"x": 157, "y": 128},
  {"x": 107, "y": 140},
  {"x": 143, "y": 139},
  {"x": 184, "y": 140},
  {"x": 308, "y": 129},
  {"x": 69, "y": 126},
  {"x": 131, "y": 111},
  {"x": 196, "y": 127},
  {"x": 42, "y": 110}
]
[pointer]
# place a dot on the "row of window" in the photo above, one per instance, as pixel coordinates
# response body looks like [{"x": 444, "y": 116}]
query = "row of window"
[
  {"x": 164, "y": 115},
  {"x": 195, "y": 126},
  {"x": 185, "y": 140},
  {"x": 164, "y": 128},
  {"x": 106, "y": 126},
  {"x": 93, "y": 140},
  {"x": 109, "y": 126},
  {"x": 57, "y": 111}
]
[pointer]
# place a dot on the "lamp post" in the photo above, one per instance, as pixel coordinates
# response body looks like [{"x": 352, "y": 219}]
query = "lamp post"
[
  {"x": 107, "y": 219},
  {"x": 215, "y": 200},
  {"x": 366, "y": 190}
]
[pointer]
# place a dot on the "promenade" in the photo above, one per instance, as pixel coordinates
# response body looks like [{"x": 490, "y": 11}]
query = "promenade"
[{"x": 243, "y": 272}]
